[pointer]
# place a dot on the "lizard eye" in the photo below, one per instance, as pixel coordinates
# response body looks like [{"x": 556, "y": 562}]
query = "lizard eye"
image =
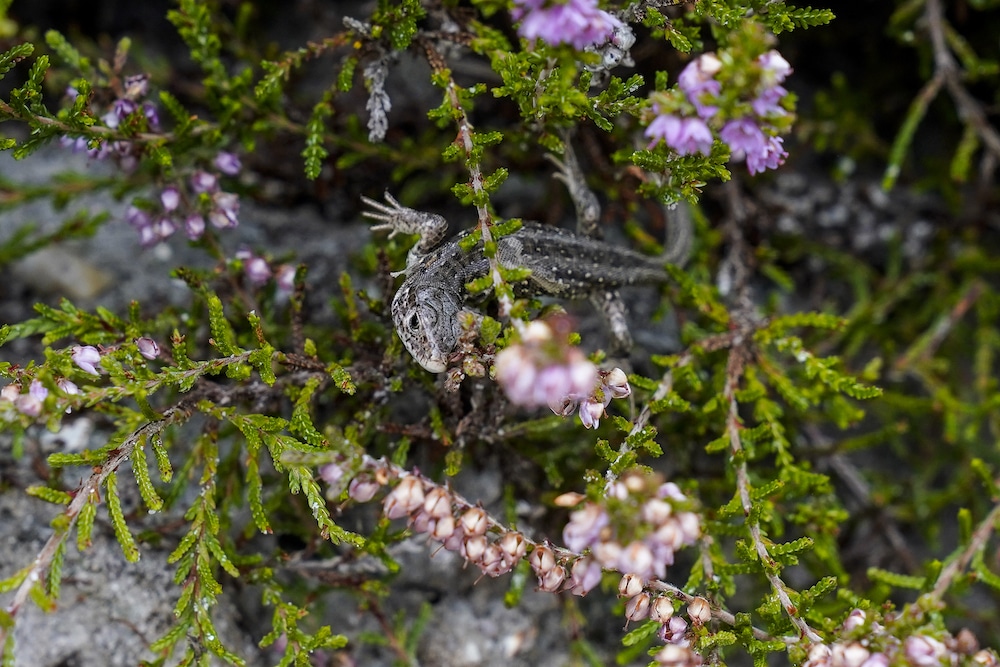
[{"x": 413, "y": 322}]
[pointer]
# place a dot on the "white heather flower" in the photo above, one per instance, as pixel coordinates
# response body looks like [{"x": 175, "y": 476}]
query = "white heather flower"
[
  {"x": 514, "y": 546},
  {"x": 437, "y": 503},
  {"x": 854, "y": 620},
  {"x": 474, "y": 547},
  {"x": 849, "y": 655},
  {"x": 637, "y": 559}
]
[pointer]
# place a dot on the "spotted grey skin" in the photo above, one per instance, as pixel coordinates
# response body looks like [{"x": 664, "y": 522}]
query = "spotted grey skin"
[{"x": 426, "y": 309}]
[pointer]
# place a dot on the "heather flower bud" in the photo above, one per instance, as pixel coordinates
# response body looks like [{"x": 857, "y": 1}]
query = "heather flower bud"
[
  {"x": 474, "y": 546},
  {"x": 257, "y": 271},
  {"x": 227, "y": 163},
  {"x": 986, "y": 658},
  {"x": 148, "y": 347},
  {"x": 514, "y": 546},
  {"x": 876, "y": 660},
  {"x": 437, "y": 503},
  {"x": 552, "y": 580},
  {"x": 661, "y": 609},
  {"x": 542, "y": 560},
  {"x": 849, "y": 655},
  {"x": 362, "y": 488},
  {"x": 637, "y": 607},
  {"x": 202, "y": 182},
  {"x": 443, "y": 528},
  {"x": 616, "y": 383},
  {"x": 407, "y": 497},
  {"x": 854, "y": 620},
  {"x": 170, "y": 197},
  {"x": 591, "y": 412},
  {"x": 475, "y": 521},
  {"x": 921, "y": 650},
  {"x": 10, "y": 392},
  {"x": 194, "y": 226},
  {"x": 630, "y": 585},
  {"x": 673, "y": 655},
  {"x": 493, "y": 563},
  {"x": 331, "y": 473},
  {"x": 85, "y": 356},
  {"x": 699, "y": 611}
]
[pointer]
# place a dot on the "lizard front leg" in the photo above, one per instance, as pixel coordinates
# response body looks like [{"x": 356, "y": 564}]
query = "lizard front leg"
[
  {"x": 399, "y": 219},
  {"x": 588, "y": 208}
]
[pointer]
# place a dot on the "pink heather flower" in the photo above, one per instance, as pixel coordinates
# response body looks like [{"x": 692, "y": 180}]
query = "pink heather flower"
[
  {"x": 576, "y": 22},
  {"x": 591, "y": 412},
  {"x": 38, "y": 390},
  {"x": 164, "y": 228},
  {"x": 584, "y": 527},
  {"x": 10, "y": 392},
  {"x": 744, "y": 137},
  {"x": 331, "y": 473},
  {"x": 85, "y": 356},
  {"x": 227, "y": 206},
  {"x": 148, "y": 347},
  {"x": 676, "y": 629},
  {"x": 68, "y": 387},
  {"x": 151, "y": 114},
  {"x": 362, "y": 488},
  {"x": 227, "y": 163},
  {"x": 768, "y": 102},
  {"x": 257, "y": 271},
  {"x": 202, "y": 181},
  {"x": 170, "y": 197},
  {"x": 285, "y": 278},
  {"x": 775, "y": 67},
  {"x": 876, "y": 660},
  {"x": 148, "y": 236},
  {"x": 921, "y": 650},
  {"x": 194, "y": 226},
  {"x": 684, "y": 135},
  {"x": 854, "y": 620},
  {"x": 698, "y": 83},
  {"x": 28, "y": 405},
  {"x": 136, "y": 217},
  {"x": 637, "y": 559},
  {"x": 772, "y": 157},
  {"x": 584, "y": 576}
]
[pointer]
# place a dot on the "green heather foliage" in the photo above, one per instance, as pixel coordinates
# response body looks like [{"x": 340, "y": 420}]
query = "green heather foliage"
[{"x": 787, "y": 431}]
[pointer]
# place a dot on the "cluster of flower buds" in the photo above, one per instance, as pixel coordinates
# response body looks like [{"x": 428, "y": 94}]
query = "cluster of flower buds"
[
  {"x": 579, "y": 23},
  {"x": 867, "y": 643},
  {"x": 128, "y": 110},
  {"x": 33, "y": 401},
  {"x": 646, "y": 530},
  {"x": 188, "y": 205},
  {"x": 685, "y": 118},
  {"x": 544, "y": 369}
]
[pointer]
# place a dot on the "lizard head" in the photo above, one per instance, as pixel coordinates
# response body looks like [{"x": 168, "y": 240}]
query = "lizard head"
[{"x": 427, "y": 321}]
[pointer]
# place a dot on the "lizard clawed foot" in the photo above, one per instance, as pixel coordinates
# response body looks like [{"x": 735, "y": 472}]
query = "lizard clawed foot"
[{"x": 399, "y": 219}]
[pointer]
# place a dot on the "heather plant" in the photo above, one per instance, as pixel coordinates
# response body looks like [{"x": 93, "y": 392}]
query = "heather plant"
[{"x": 815, "y": 485}]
